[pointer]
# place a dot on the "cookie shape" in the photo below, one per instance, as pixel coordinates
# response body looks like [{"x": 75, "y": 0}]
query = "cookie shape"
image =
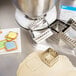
[
  {"x": 0, "y": 32},
  {"x": 2, "y": 44},
  {"x": 11, "y": 36},
  {"x": 9, "y": 39},
  {"x": 10, "y": 46}
]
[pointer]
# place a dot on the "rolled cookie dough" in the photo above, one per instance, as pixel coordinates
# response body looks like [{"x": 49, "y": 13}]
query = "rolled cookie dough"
[{"x": 34, "y": 65}]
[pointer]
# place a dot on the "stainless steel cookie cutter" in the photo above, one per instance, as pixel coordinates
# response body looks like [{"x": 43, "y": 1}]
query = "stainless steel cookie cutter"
[
  {"x": 49, "y": 57},
  {"x": 69, "y": 35}
]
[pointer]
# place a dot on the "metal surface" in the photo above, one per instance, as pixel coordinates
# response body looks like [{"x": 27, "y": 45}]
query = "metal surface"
[{"x": 9, "y": 63}]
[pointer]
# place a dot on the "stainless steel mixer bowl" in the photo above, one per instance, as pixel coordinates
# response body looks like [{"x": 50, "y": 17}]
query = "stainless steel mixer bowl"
[{"x": 34, "y": 8}]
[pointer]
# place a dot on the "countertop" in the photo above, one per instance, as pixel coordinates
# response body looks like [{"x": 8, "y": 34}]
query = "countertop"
[{"x": 9, "y": 63}]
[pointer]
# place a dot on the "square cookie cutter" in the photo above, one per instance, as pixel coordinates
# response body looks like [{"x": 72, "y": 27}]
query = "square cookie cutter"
[
  {"x": 54, "y": 28},
  {"x": 41, "y": 35},
  {"x": 58, "y": 26},
  {"x": 69, "y": 35}
]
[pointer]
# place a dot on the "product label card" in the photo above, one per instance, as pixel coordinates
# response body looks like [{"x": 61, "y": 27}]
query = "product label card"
[
  {"x": 38, "y": 24},
  {"x": 67, "y": 12},
  {"x": 43, "y": 36},
  {"x": 10, "y": 40}
]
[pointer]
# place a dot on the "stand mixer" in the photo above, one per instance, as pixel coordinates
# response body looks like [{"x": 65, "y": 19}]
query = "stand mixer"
[{"x": 33, "y": 12}]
